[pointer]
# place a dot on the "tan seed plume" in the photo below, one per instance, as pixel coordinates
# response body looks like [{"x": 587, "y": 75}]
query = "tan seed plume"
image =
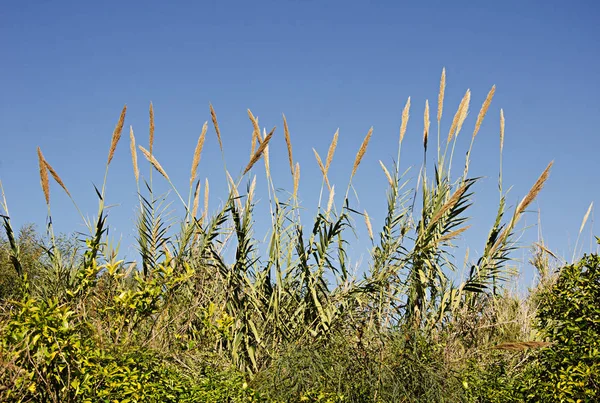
[
  {"x": 322, "y": 168},
  {"x": 252, "y": 189},
  {"x": 441, "y": 95},
  {"x": 234, "y": 191},
  {"x": 213, "y": 116},
  {"x": 296, "y": 179},
  {"x": 196, "y": 199},
  {"x": 206, "y": 193},
  {"x": 56, "y": 177},
  {"x": 288, "y": 143},
  {"x": 459, "y": 116},
  {"x": 198, "y": 153},
  {"x": 154, "y": 162},
  {"x": 330, "y": 201},
  {"x": 255, "y": 132},
  {"x": 585, "y": 218},
  {"x": 501, "y": 130},
  {"x": 527, "y": 200},
  {"x": 405, "y": 116},
  {"x": 136, "y": 171},
  {"x": 426, "y": 124},
  {"x": 464, "y": 111},
  {"x": 331, "y": 150},
  {"x": 368, "y": 224},
  {"x": 116, "y": 135},
  {"x": 387, "y": 173},
  {"x": 363, "y": 149},
  {"x": 266, "y": 156},
  {"x": 483, "y": 110},
  {"x": 151, "y": 136},
  {"x": 259, "y": 152},
  {"x": 448, "y": 205},
  {"x": 453, "y": 234},
  {"x": 44, "y": 176}
]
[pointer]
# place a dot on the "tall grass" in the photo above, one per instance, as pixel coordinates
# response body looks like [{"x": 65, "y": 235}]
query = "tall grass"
[{"x": 258, "y": 312}]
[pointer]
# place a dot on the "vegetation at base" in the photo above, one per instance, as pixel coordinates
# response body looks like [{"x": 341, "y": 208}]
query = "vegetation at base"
[{"x": 284, "y": 320}]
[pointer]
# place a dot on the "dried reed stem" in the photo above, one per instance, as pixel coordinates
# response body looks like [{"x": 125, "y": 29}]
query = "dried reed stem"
[
  {"x": 136, "y": 171},
  {"x": 44, "y": 176},
  {"x": 296, "y": 179},
  {"x": 426, "y": 123},
  {"x": 198, "y": 153},
  {"x": 331, "y": 150},
  {"x": 206, "y": 193},
  {"x": 213, "y": 115},
  {"x": 330, "y": 201},
  {"x": 56, "y": 177},
  {"x": 288, "y": 143},
  {"x": 362, "y": 150},
  {"x": 116, "y": 135},
  {"x": 259, "y": 152},
  {"x": 405, "y": 116},
  {"x": 154, "y": 162},
  {"x": 151, "y": 136},
  {"x": 322, "y": 168},
  {"x": 501, "y": 130},
  {"x": 441, "y": 95},
  {"x": 527, "y": 200},
  {"x": 483, "y": 110},
  {"x": 252, "y": 189},
  {"x": 255, "y": 132},
  {"x": 387, "y": 174},
  {"x": 448, "y": 205},
  {"x": 464, "y": 111},
  {"x": 453, "y": 234},
  {"x": 368, "y": 224},
  {"x": 196, "y": 199},
  {"x": 459, "y": 116},
  {"x": 266, "y": 155}
]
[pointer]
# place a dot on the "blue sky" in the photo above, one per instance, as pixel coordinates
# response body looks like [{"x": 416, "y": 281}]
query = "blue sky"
[{"x": 69, "y": 66}]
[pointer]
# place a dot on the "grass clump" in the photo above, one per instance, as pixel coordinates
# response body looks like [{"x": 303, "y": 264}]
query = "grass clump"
[{"x": 287, "y": 323}]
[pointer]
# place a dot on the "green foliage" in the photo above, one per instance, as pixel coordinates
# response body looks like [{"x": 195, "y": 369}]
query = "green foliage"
[{"x": 569, "y": 317}]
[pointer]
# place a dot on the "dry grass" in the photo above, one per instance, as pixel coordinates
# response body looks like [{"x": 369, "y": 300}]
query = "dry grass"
[
  {"x": 330, "y": 201},
  {"x": 288, "y": 143},
  {"x": 387, "y": 173},
  {"x": 136, "y": 171},
  {"x": 44, "y": 176},
  {"x": 331, "y": 151},
  {"x": 368, "y": 224},
  {"x": 56, "y": 177},
  {"x": 154, "y": 162},
  {"x": 405, "y": 116},
  {"x": 483, "y": 110},
  {"x": 116, "y": 135},
  {"x": 501, "y": 130},
  {"x": 426, "y": 124},
  {"x": 151, "y": 136},
  {"x": 441, "y": 96},
  {"x": 296, "y": 179},
  {"x": 259, "y": 152},
  {"x": 198, "y": 153},
  {"x": 459, "y": 116},
  {"x": 361, "y": 152},
  {"x": 206, "y": 194},
  {"x": 213, "y": 116},
  {"x": 196, "y": 199}
]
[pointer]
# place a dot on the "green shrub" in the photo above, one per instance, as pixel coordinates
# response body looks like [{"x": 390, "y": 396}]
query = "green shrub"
[{"x": 569, "y": 316}]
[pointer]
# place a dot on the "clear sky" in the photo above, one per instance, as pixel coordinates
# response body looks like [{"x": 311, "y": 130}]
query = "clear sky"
[{"x": 68, "y": 67}]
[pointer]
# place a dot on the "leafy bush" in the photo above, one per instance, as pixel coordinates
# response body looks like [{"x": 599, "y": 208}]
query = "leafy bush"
[{"x": 569, "y": 317}]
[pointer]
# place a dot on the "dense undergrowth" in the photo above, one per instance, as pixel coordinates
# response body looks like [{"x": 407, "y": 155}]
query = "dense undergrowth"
[{"x": 289, "y": 322}]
